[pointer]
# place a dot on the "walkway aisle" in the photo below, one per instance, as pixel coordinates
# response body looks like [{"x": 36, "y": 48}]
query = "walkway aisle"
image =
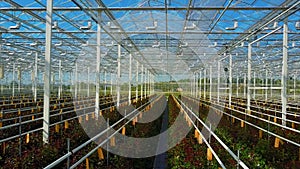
[{"x": 160, "y": 161}]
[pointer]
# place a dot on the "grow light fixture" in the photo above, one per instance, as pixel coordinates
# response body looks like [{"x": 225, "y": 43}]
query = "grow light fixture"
[
  {"x": 156, "y": 45},
  {"x": 190, "y": 27},
  {"x": 29, "y": 53},
  {"x": 183, "y": 45},
  {"x": 58, "y": 44},
  {"x": 275, "y": 25},
  {"x": 242, "y": 44},
  {"x": 111, "y": 26},
  {"x": 33, "y": 44},
  {"x": 15, "y": 27},
  {"x": 235, "y": 25},
  {"x": 214, "y": 45},
  {"x": 110, "y": 44},
  {"x": 63, "y": 54},
  {"x": 82, "y": 54},
  {"x": 87, "y": 27},
  {"x": 297, "y": 25},
  {"x": 55, "y": 25},
  {"x": 152, "y": 27},
  {"x": 85, "y": 44}
]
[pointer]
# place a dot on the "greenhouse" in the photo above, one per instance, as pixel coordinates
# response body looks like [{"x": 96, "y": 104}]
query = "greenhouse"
[{"x": 149, "y": 84}]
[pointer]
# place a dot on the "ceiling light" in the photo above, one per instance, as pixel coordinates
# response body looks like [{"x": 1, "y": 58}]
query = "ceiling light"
[
  {"x": 17, "y": 26},
  {"x": 87, "y": 27},
  {"x": 190, "y": 27},
  {"x": 235, "y": 25}
]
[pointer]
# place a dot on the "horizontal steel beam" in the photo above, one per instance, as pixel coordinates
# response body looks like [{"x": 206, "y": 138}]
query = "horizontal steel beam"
[
  {"x": 143, "y": 32},
  {"x": 204, "y": 8}
]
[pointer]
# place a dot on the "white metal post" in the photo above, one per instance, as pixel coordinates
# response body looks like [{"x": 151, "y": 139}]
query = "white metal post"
[
  {"x": 142, "y": 74},
  {"x": 145, "y": 80},
  {"x": 118, "y": 75},
  {"x": 210, "y": 82},
  {"x": 295, "y": 86},
  {"x": 148, "y": 82},
  {"x": 19, "y": 80},
  {"x": 129, "y": 80},
  {"x": 76, "y": 79},
  {"x": 60, "y": 79},
  {"x": 46, "y": 121},
  {"x": 137, "y": 81},
  {"x": 191, "y": 86},
  {"x": 70, "y": 81},
  {"x": 111, "y": 83},
  {"x": 79, "y": 84},
  {"x": 266, "y": 91},
  {"x": 284, "y": 72},
  {"x": 13, "y": 79},
  {"x": 237, "y": 85},
  {"x": 105, "y": 81},
  {"x": 249, "y": 76},
  {"x": 254, "y": 84},
  {"x": 35, "y": 76},
  {"x": 88, "y": 82},
  {"x": 98, "y": 60},
  {"x": 230, "y": 79},
  {"x": 196, "y": 88},
  {"x": 204, "y": 90},
  {"x": 194, "y": 85},
  {"x": 200, "y": 85},
  {"x": 245, "y": 85},
  {"x": 151, "y": 83},
  {"x": 271, "y": 90},
  {"x": 32, "y": 79},
  {"x": 219, "y": 74}
]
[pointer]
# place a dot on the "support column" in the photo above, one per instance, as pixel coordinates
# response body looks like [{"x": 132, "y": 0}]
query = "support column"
[
  {"x": 111, "y": 84},
  {"x": 60, "y": 80},
  {"x": 245, "y": 85},
  {"x": 266, "y": 91},
  {"x": 118, "y": 75},
  {"x": 219, "y": 74},
  {"x": 271, "y": 84},
  {"x": 230, "y": 79},
  {"x": 295, "y": 86},
  {"x": 71, "y": 82},
  {"x": 249, "y": 76},
  {"x": 210, "y": 82},
  {"x": 142, "y": 74},
  {"x": 13, "y": 79},
  {"x": 129, "y": 82},
  {"x": 76, "y": 80},
  {"x": 284, "y": 72},
  {"x": 237, "y": 85},
  {"x": 88, "y": 82},
  {"x": 19, "y": 80},
  {"x": 35, "y": 76},
  {"x": 98, "y": 60},
  {"x": 148, "y": 83},
  {"x": 254, "y": 84},
  {"x": 200, "y": 86},
  {"x": 137, "y": 81},
  {"x": 32, "y": 81},
  {"x": 46, "y": 121},
  {"x": 196, "y": 86},
  {"x": 105, "y": 81},
  {"x": 191, "y": 86},
  {"x": 204, "y": 84},
  {"x": 145, "y": 80}
]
